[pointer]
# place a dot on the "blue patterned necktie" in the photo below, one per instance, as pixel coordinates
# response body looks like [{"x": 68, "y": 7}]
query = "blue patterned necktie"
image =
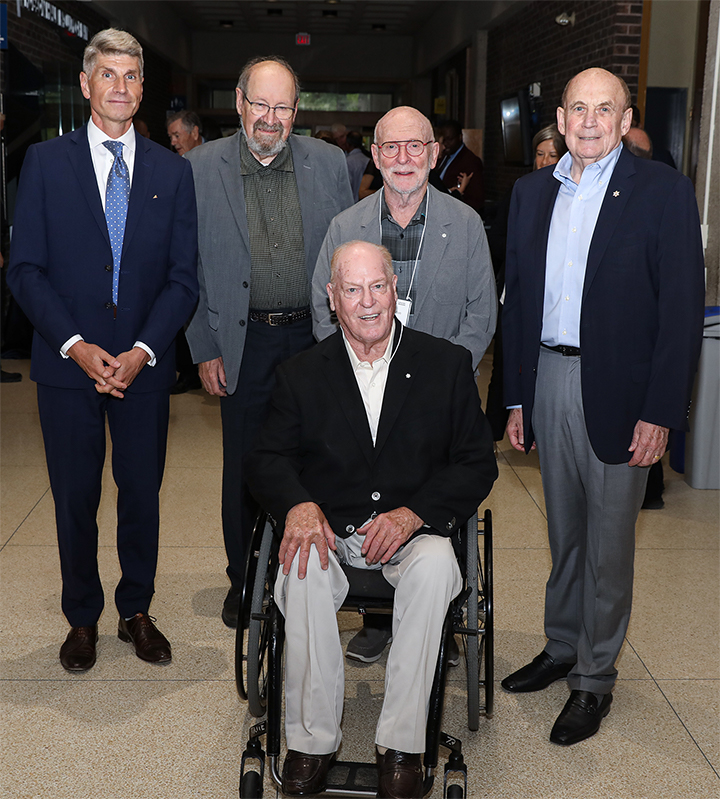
[{"x": 116, "y": 206}]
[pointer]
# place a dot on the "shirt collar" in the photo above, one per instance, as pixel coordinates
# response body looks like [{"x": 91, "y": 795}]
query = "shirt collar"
[
  {"x": 418, "y": 218},
  {"x": 96, "y": 137},
  {"x": 249, "y": 165},
  {"x": 355, "y": 361},
  {"x": 600, "y": 170}
]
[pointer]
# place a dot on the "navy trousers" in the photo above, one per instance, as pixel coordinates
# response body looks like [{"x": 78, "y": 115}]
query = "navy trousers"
[{"x": 73, "y": 425}]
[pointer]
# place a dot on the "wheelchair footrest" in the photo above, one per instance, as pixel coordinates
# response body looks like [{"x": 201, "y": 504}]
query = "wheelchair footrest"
[{"x": 348, "y": 776}]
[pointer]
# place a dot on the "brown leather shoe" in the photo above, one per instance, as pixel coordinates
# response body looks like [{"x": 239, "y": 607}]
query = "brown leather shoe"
[
  {"x": 78, "y": 651},
  {"x": 150, "y": 644},
  {"x": 399, "y": 775},
  {"x": 303, "y": 774}
]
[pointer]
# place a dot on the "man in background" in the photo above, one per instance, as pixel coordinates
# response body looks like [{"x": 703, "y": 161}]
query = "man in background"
[
  {"x": 457, "y": 160},
  {"x": 184, "y": 131}
]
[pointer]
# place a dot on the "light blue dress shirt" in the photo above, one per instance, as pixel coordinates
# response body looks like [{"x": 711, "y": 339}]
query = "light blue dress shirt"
[{"x": 575, "y": 214}]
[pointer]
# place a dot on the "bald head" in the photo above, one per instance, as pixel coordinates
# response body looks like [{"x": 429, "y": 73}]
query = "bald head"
[
  {"x": 405, "y": 176},
  {"x": 638, "y": 142},
  {"x": 594, "y": 117},
  {"x": 596, "y": 74},
  {"x": 404, "y": 117}
]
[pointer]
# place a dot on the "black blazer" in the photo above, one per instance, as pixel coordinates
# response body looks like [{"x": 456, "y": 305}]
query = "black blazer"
[
  {"x": 433, "y": 454},
  {"x": 642, "y": 307},
  {"x": 60, "y": 268}
]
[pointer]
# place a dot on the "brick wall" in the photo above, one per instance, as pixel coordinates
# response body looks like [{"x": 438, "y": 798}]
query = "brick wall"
[{"x": 532, "y": 48}]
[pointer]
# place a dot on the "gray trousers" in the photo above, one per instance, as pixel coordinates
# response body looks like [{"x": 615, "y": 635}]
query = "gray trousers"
[{"x": 591, "y": 508}]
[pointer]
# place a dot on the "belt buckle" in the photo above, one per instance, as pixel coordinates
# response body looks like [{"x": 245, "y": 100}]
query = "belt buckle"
[{"x": 279, "y": 321}]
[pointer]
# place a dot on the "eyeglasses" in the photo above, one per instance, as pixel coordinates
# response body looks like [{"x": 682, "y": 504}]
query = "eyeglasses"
[
  {"x": 391, "y": 149},
  {"x": 260, "y": 109}
]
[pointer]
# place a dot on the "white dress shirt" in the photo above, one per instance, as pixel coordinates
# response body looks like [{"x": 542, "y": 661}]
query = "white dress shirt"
[
  {"x": 371, "y": 379},
  {"x": 102, "y": 160}
]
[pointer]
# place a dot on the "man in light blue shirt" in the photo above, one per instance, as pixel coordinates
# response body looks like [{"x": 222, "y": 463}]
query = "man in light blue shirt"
[{"x": 602, "y": 330}]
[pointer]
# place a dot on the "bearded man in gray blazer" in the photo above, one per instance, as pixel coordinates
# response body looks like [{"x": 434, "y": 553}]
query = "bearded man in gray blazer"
[
  {"x": 265, "y": 199},
  {"x": 446, "y": 284}
]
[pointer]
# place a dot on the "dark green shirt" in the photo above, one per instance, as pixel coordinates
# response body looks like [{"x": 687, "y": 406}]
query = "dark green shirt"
[
  {"x": 277, "y": 247},
  {"x": 403, "y": 244}
]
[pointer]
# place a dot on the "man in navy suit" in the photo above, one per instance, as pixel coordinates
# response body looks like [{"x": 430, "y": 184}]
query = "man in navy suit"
[
  {"x": 602, "y": 332},
  {"x": 103, "y": 262}
]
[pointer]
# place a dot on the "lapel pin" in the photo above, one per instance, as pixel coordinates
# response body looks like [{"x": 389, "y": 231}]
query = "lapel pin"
[
  {"x": 616, "y": 194},
  {"x": 155, "y": 197},
  {"x": 407, "y": 375},
  {"x": 444, "y": 235}
]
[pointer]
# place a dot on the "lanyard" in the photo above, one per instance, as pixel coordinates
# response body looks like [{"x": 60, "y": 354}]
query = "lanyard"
[{"x": 422, "y": 237}]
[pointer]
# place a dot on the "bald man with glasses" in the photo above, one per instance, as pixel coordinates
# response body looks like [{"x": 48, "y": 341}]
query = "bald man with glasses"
[
  {"x": 265, "y": 200},
  {"x": 445, "y": 280}
]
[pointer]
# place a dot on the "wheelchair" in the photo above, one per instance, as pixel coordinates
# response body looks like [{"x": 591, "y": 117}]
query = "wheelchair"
[{"x": 259, "y": 669}]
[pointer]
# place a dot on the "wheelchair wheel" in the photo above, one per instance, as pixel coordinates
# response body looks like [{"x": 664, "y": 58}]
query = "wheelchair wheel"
[
  {"x": 479, "y": 651},
  {"x": 489, "y": 636},
  {"x": 473, "y": 643},
  {"x": 251, "y": 649},
  {"x": 251, "y": 562}
]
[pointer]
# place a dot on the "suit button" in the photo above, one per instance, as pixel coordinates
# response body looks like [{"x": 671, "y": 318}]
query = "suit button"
[
  {"x": 375, "y": 495},
  {"x": 449, "y": 525},
  {"x": 242, "y": 323},
  {"x": 245, "y": 284},
  {"x": 108, "y": 267},
  {"x": 108, "y": 305},
  {"x": 350, "y": 528}
]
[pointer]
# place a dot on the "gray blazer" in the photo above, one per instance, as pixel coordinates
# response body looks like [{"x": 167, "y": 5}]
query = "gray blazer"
[
  {"x": 218, "y": 326},
  {"x": 456, "y": 296}
]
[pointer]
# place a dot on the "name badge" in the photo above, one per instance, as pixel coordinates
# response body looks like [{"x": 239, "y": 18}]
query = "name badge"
[{"x": 402, "y": 311}]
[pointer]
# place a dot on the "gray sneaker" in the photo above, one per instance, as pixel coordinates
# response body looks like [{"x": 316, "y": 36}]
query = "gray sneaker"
[{"x": 369, "y": 644}]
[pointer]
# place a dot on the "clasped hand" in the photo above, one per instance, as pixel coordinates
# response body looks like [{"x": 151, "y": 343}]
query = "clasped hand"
[{"x": 111, "y": 375}]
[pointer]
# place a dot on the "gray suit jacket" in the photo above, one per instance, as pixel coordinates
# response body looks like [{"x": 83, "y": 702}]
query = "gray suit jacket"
[
  {"x": 218, "y": 326},
  {"x": 456, "y": 298}
]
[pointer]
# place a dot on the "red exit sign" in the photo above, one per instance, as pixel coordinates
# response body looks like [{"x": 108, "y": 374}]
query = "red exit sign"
[{"x": 302, "y": 38}]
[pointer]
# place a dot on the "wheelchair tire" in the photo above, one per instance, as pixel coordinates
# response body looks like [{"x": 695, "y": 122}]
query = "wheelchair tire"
[
  {"x": 473, "y": 642},
  {"x": 251, "y": 562},
  {"x": 489, "y": 637},
  {"x": 251, "y": 786},
  {"x": 259, "y": 628},
  {"x": 455, "y": 792}
]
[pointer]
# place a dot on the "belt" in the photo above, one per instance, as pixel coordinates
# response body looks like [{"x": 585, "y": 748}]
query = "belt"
[
  {"x": 279, "y": 318},
  {"x": 563, "y": 349}
]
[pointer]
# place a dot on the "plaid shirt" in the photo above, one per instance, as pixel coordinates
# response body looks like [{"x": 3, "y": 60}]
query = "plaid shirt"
[{"x": 277, "y": 245}]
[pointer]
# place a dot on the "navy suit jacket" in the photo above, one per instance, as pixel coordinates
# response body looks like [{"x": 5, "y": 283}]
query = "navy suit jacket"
[
  {"x": 61, "y": 262},
  {"x": 433, "y": 452},
  {"x": 642, "y": 308}
]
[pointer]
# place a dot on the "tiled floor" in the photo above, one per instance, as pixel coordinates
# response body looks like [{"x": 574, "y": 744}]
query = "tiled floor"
[{"x": 127, "y": 729}]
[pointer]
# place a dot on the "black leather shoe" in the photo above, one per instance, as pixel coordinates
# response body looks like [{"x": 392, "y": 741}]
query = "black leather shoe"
[
  {"x": 78, "y": 652},
  {"x": 399, "y": 775},
  {"x": 150, "y": 644},
  {"x": 538, "y": 674},
  {"x": 231, "y": 607},
  {"x": 580, "y": 718},
  {"x": 303, "y": 774}
]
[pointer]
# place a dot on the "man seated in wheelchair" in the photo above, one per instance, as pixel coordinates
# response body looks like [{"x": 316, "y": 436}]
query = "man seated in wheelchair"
[{"x": 375, "y": 450}]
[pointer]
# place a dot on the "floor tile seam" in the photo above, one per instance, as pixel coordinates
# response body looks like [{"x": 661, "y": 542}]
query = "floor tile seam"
[
  {"x": 519, "y": 479},
  {"x": 25, "y": 518},
  {"x": 677, "y": 715}
]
